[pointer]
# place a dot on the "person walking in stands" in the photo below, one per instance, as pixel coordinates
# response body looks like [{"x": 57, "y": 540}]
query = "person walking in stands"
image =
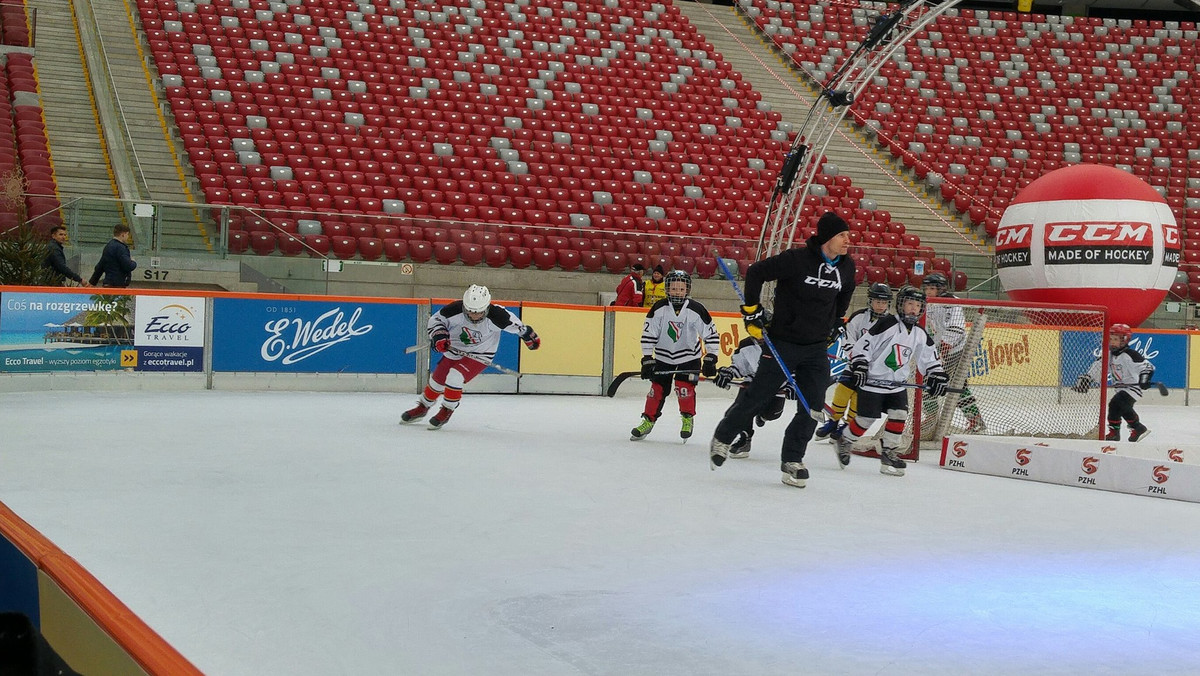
[
  {"x": 629, "y": 291},
  {"x": 115, "y": 264},
  {"x": 881, "y": 362},
  {"x": 879, "y": 301},
  {"x": 675, "y": 329},
  {"x": 467, "y": 333},
  {"x": 947, "y": 325},
  {"x": 1131, "y": 373},
  {"x": 813, "y": 287},
  {"x": 56, "y": 259},
  {"x": 654, "y": 289}
]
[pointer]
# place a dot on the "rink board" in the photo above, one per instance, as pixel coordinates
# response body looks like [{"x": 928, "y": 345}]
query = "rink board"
[{"x": 1157, "y": 470}]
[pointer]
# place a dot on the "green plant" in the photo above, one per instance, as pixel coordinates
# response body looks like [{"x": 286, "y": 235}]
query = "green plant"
[{"x": 22, "y": 248}]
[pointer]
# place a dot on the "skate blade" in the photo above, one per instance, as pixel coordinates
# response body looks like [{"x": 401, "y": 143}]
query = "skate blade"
[
  {"x": 789, "y": 480},
  {"x": 1144, "y": 435},
  {"x": 715, "y": 461},
  {"x": 739, "y": 456},
  {"x": 843, "y": 463},
  {"x": 890, "y": 471}
]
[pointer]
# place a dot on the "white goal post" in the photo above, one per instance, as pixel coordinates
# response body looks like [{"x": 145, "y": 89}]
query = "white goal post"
[{"x": 1017, "y": 367}]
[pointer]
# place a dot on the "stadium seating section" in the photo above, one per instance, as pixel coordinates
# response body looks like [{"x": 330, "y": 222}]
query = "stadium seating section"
[{"x": 981, "y": 103}]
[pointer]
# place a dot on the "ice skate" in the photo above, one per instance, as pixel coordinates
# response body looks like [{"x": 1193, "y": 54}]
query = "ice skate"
[
  {"x": 740, "y": 447},
  {"x": 795, "y": 474},
  {"x": 890, "y": 462},
  {"x": 414, "y": 414},
  {"x": 826, "y": 429},
  {"x": 842, "y": 446},
  {"x": 440, "y": 418},
  {"x": 1139, "y": 432},
  {"x": 837, "y": 433},
  {"x": 717, "y": 452},
  {"x": 638, "y": 433},
  {"x": 975, "y": 425},
  {"x": 1114, "y": 434},
  {"x": 685, "y": 429}
]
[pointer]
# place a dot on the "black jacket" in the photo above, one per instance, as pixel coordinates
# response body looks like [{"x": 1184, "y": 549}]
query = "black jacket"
[
  {"x": 115, "y": 264},
  {"x": 56, "y": 260},
  {"x": 810, "y": 295}
]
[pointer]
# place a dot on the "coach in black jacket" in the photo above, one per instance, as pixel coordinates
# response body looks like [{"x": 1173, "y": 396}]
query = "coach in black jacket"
[
  {"x": 115, "y": 264},
  {"x": 813, "y": 286}
]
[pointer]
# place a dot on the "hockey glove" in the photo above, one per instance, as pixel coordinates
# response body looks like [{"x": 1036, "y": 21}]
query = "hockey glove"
[
  {"x": 1082, "y": 385},
  {"x": 936, "y": 382},
  {"x": 1144, "y": 380},
  {"x": 647, "y": 367},
  {"x": 531, "y": 338},
  {"x": 752, "y": 315},
  {"x": 839, "y": 329},
  {"x": 440, "y": 342},
  {"x": 708, "y": 366},
  {"x": 788, "y": 392},
  {"x": 858, "y": 374},
  {"x": 724, "y": 377}
]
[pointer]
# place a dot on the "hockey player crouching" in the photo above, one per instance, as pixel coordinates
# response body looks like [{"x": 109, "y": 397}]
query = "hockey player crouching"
[
  {"x": 881, "y": 361},
  {"x": 675, "y": 328},
  {"x": 744, "y": 364},
  {"x": 1131, "y": 373},
  {"x": 879, "y": 300},
  {"x": 467, "y": 333}
]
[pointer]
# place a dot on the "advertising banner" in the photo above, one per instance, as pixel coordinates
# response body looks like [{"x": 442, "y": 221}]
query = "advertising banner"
[
  {"x": 299, "y": 336},
  {"x": 572, "y": 341},
  {"x": 46, "y": 332},
  {"x": 168, "y": 333}
]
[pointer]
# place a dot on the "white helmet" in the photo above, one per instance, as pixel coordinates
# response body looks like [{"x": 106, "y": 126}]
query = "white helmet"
[{"x": 477, "y": 299}]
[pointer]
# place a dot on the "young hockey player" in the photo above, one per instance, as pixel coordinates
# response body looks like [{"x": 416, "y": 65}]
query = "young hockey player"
[
  {"x": 743, "y": 365},
  {"x": 467, "y": 333},
  {"x": 947, "y": 326},
  {"x": 879, "y": 300},
  {"x": 672, "y": 336},
  {"x": 1131, "y": 373},
  {"x": 881, "y": 361}
]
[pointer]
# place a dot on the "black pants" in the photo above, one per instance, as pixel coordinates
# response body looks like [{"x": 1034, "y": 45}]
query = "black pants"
[
  {"x": 1120, "y": 407},
  {"x": 809, "y": 365}
]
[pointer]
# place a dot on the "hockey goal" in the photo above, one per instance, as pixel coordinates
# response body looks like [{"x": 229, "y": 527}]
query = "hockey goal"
[{"x": 1016, "y": 368}]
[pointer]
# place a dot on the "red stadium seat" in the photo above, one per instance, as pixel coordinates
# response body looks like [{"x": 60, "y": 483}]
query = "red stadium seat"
[
  {"x": 470, "y": 253},
  {"x": 495, "y": 256},
  {"x": 420, "y": 251},
  {"x": 370, "y": 248},
  {"x": 263, "y": 243},
  {"x": 592, "y": 261},
  {"x": 317, "y": 245},
  {"x": 290, "y": 245},
  {"x": 239, "y": 241},
  {"x": 395, "y": 249},
  {"x": 568, "y": 259},
  {"x": 344, "y": 246},
  {"x": 520, "y": 257},
  {"x": 615, "y": 262},
  {"x": 545, "y": 259},
  {"x": 445, "y": 252}
]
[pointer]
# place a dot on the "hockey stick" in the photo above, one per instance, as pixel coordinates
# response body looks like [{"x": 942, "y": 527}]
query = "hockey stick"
[
  {"x": 911, "y": 386},
  {"x": 815, "y": 415},
  {"x": 1162, "y": 388},
  {"x": 622, "y": 377},
  {"x": 419, "y": 347}
]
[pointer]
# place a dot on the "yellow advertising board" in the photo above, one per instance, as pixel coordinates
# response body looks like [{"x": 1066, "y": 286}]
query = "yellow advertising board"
[
  {"x": 1005, "y": 356},
  {"x": 1193, "y": 367},
  {"x": 572, "y": 340},
  {"x": 627, "y": 337}
]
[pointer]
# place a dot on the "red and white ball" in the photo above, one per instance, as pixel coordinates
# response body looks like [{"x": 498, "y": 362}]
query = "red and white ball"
[{"x": 1089, "y": 235}]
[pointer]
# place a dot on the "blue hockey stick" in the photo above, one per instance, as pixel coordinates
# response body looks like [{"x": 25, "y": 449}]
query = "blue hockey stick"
[{"x": 816, "y": 415}]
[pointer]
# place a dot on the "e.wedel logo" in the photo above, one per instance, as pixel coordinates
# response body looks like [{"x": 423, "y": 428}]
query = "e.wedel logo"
[{"x": 293, "y": 340}]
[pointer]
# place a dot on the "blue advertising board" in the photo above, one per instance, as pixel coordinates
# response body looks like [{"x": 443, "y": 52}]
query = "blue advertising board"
[
  {"x": 43, "y": 332},
  {"x": 296, "y": 336},
  {"x": 1167, "y": 351}
]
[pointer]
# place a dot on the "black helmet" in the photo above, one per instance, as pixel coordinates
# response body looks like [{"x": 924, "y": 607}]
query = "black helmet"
[
  {"x": 878, "y": 291},
  {"x": 936, "y": 279},
  {"x": 909, "y": 293}
]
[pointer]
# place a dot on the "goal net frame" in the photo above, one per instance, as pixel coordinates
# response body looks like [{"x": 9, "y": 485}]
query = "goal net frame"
[{"x": 1025, "y": 404}]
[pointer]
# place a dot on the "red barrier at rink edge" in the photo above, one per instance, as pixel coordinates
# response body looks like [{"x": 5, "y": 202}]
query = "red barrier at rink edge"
[{"x": 127, "y": 630}]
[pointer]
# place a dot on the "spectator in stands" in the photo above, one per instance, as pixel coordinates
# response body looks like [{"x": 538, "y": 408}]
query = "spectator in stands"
[
  {"x": 56, "y": 259},
  {"x": 115, "y": 264},
  {"x": 655, "y": 288},
  {"x": 629, "y": 291}
]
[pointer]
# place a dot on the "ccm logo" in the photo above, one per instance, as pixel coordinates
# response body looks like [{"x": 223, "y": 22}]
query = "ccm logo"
[
  {"x": 1014, "y": 236},
  {"x": 1101, "y": 233},
  {"x": 1171, "y": 236},
  {"x": 960, "y": 449},
  {"x": 1089, "y": 464},
  {"x": 1023, "y": 456}
]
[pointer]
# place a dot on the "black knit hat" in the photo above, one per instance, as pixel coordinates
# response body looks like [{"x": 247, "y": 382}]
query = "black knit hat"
[{"x": 829, "y": 226}]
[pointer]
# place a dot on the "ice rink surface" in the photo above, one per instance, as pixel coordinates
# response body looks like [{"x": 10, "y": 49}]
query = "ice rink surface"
[{"x": 304, "y": 533}]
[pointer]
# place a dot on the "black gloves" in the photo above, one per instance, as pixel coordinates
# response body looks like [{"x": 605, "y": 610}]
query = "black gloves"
[
  {"x": 839, "y": 329},
  {"x": 1144, "y": 380},
  {"x": 752, "y": 315},
  {"x": 440, "y": 342},
  {"x": 936, "y": 382},
  {"x": 531, "y": 338},
  {"x": 724, "y": 377},
  {"x": 1083, "y": 384},
  {"x": 858, "y": 374},
  {"x": 708, "y": 365},
  {"x": 647, "y": 367}
]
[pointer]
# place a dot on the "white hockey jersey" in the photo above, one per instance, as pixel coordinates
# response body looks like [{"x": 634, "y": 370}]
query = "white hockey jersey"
[
  {"x": 675, "y": 338},
  {"x": 476, "y": 340},
  {"x": 946, "y": 324},
  {"x": 744, "y": 362},
  {"x": 855, "y": 327},
  {"x": 1125, "y": 368},
  {"x": 891, "y": 351}
]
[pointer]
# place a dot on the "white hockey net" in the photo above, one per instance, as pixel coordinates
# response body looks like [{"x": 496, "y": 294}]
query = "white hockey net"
[{"x": 1017, "y": 366}]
